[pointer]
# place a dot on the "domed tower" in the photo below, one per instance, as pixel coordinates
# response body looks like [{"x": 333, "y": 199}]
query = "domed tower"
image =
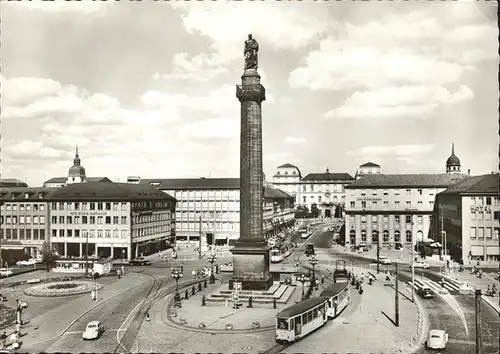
[
  {"x": 76, "y": 172},
  {"x": 453, "y": 162}
]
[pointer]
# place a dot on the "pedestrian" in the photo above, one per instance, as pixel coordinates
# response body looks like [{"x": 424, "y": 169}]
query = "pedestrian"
[
  {"x": 3, "y": 339},
  {"x": 18, "y": 328},
  {"x": 92, "y": 294},
  {"x": 194, "y": 274}
]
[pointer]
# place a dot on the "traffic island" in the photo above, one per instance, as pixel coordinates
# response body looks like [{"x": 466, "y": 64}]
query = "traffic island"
[
  {"x": 7, "y": 316},
  {"x": 62, "y": 289}
]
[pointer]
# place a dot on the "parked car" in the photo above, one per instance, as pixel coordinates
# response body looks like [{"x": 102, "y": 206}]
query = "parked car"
[
  {"x": 437, "y": 339},
  {"x": 384, "y": 260},
  {"x": 425, "y": 292},
  {"x": 93, "y": 330},
  {"x": 421, "y": 264},
  {"x": 29, "y": 262},
  {"x": 5, "y": 272},
  {"x": 139, "y": 261}
]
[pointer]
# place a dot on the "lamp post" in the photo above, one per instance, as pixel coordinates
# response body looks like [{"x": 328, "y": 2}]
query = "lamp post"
[
  {"x": 176, "y": 274},
  {"x": 313, "y": 261},
  {"x": 87, "y": 252},
  {"x": 413, "y": 266},
  {"x": 212, "y": 258},
  {"x": 302, "y": 279}
]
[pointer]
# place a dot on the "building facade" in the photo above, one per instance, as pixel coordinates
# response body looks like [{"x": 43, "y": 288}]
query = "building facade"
[
  {"x": 24, "y": 219},
  {"x": 118, "y": 220},
  {"x": 367, "y": 169},
  {"x": 210, "y": 207},
  {"x": 390, "y": 209},
  {"x": 468, "y": 213}
]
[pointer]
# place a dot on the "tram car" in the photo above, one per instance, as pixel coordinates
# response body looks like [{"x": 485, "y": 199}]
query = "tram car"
[
  {"x": 338, "y": 296},
  {"x": 276, "y": 256},
  {"x": 297, "y": 321}
]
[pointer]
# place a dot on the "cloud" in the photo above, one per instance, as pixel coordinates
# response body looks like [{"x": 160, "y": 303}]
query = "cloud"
[
  {"x": 85, "y": 7},
  {"x": 295, "y": 140},
  {"x": 403, "y": 101},
  {"x": 212, "y": 129},
  {"x": 30, "y": 150},
  {"x": 391, "y": 151}
]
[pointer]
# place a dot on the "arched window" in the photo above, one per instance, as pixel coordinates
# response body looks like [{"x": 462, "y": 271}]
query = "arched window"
[
  {"x": 420, "y": 236},
  {"x": 385, "y": 236},
  {"x": 352, "y": 236},
  {"x": 397, "y": 236},
  {"x": 294, "y": 172},
  {"x": 363, "y": 235},
  {"x": 408, "y": 236},
  {"x": 374, "y": 236}
]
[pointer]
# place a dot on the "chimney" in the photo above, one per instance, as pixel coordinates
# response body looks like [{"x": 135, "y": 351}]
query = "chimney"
[{"x": 468, "y": 172}]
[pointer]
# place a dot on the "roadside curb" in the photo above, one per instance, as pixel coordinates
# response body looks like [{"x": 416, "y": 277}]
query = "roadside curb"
[
  {"x": 490, "y": 303},
  {"x": 90, "y": 309}
]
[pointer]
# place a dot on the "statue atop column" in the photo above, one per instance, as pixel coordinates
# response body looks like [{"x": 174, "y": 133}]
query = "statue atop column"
[{"x": 251, "y": 49}]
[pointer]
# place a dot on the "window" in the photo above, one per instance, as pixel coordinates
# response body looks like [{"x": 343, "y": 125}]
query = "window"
[
  {"x": 85, "y": 206},
  {"x": 396, "y": 219},
  {"x": 61, "y": 206},
  {"x": 124, "y": 206},
  {"x": 386, "y": 204},
  {"x": 115, "y": 219},
  {"x": 480, "y": 215},
  {"x": 92, "y": 206},
  {"x": 374, "y": 236},
  {"x": 374, "y": 219},
  {"x": 69, "y": 220},
  {"x": 497, "y": 231},
  {"x": 431, "y": 204},
  {"x": 69, "y": 206},
  {"x": 99, "y": 206},
  {"x": 108, "y": 219},
  {"x": 396, "y": 192},
  {"x": 419, "y": 204},
  {"x": 115, "y": 233},
  {"x": 54, "y": 233},
  {"x": 420, "y": 219},
  {"x": 77, "y": 233},
  {"x": 397, "y": 236},
  {"x": 77, "y": 206},
  {"x": 115, "y": 206},
  {"x": 473, "y": 233},
  {"x": 408, "y": 219},
  {"x": 61, "y": 233},
  {"x": 85, "y": 220},
  {"x": 488, "y": 215},
  {"x": 61, "y": 220},
  {"x": 99, "y": 233},
  {"x": 473, "y": 216},
  {"x": 385, "y": 236},
  {"x": 35, "y": 219},
  {"x": 363, "y": 235},
  {"x": 35, "y": 234},
  {"x": 409, "y": 238},
  {"x": 42, "y": 220},
  {"x": 312, "y": 187},
  {"x": 408, "y": 205},
  {"x": 408, "y": 191},
  {"x": 386, "y": 219},
  {"x": 488, "y": 200},
  {"x": 108, "y": 206},
  {"x": 92, "y": 234},
  {"x": 480, "y": 200},
  {"x": 419, "y": 191},
  {"x": 92, "y": 220},
  {"x": 396, "y": 203},
  {"x": 374, "y": 193},
  {"x": 352, "y": 219},
  {"x": 28, "y": 220},
  {"x": 69, "y": 233},
  {"x": 386, "y": 192},
  {"x": 353, "y": 204},
  {"x": 363, "y": 219},
  {"x": 21, "y": 207},
  {"x": 473, "y": 200},
  {"x": 124, "y": 220},
  {"x": 363, "y": 204},
  {"x": 42, "y": 208},
  {"x": 99, "y": 220},
  {"x": 21, "y": 220},
  {"x": 488, "y": 233},
  {"x": 480, "y": 233},
  {"x": 124, "y": 233},
  {"x": 108, "y": 234},
  {"x": 53, "y": 206}
]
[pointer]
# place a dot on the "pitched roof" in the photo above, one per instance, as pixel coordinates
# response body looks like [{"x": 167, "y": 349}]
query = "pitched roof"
[
  {"x": 12, "y": 182},
  {"x": 327, "y": 176},
  {"x": 369, "y": 164},
  {"x": 276, "y": 194},
  {"x": 20, "y": 193},
  {"x": 288, "y": 165},
  {"x": 193, "y": 183},
  {"x": 407, "y": 180},
  {"x": 109, "y": 191},
  {"x": 484, "y": 184},
  {"x": 89, "y": 179}
]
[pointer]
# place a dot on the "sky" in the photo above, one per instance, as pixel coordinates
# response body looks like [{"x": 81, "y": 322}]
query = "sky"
[{"x": 148, "y": 88}]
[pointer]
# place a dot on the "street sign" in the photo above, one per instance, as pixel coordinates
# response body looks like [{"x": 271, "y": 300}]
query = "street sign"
[{"x": 236, "y": 296}]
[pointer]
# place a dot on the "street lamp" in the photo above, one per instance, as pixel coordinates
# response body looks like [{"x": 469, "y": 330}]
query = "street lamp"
[
  {"x": 176, "y": 274},
  {"x": 212, "y": 258},
  {"x": 313, "y": 261},
  {"x": 302, "y": 279}
]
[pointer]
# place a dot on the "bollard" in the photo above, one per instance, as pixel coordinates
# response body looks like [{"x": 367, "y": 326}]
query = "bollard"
[
  {"x": 250, "y": 302},
  {"x": 199, "y": 286},
  {"x": 186, "y": 295},
  {"x": 203, "y": 300},
  {"x": 193, "y": 290},
  {"x": 205, "y": 283},
  {"x": 274, "y": 303}
]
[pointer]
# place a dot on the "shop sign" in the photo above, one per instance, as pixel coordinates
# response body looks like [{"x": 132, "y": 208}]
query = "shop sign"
[
  {"x": 475, "y": 208},
  {"x": 369, "y": 198},
  {"x": 88, "y": 213}
]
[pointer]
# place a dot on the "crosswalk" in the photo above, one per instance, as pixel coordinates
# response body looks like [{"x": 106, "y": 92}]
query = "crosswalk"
[{"x": 448, "y": 286}]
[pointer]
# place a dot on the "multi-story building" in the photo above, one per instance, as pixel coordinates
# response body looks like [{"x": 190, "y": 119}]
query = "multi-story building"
[
  {"x": 210, "y": 207},
  {"x": 76, "y": 174},
  {"x": 468, "y": 213},
  {"x": 367, "y": 169},
  {"x": 324, "y": 190},
  {"x": 24, "y": 219},
  {"x": 118, "y": 220},
  {"x": 390, "y": 209}
]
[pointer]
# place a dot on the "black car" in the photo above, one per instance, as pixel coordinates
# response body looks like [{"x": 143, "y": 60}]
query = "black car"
[
  {"x": 425, "y": 292},
  {"x": 139, "y": 262},
  {"x": 310, "y": 250}
]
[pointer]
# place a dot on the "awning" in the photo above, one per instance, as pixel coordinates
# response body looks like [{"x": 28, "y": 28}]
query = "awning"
[
  {"x": 493, "y": 250},
  {"x": 477, "y": 250}
]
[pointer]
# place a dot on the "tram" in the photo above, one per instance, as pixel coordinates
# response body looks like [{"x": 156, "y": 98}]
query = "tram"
[
  {"x": 338, "y": 296},
  {"x": 299, "y": 320},
  {"x": 276, "y": 256}
]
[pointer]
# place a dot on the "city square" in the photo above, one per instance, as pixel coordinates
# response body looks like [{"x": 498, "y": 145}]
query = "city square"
[{"x": 305, "y": 187}]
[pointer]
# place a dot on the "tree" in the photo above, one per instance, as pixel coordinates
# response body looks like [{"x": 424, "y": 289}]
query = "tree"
[
  {"x": 314, "y": 210},
  {"x": 48, "y": 256}
]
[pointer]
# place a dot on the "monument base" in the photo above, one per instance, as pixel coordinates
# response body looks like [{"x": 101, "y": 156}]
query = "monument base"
[{"x": 251, "y": 268}]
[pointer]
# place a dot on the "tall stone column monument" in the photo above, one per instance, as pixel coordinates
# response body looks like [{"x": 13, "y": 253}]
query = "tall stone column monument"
[{"x": 251, "y": 252}]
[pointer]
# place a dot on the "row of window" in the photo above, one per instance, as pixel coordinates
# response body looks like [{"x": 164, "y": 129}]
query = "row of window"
[
  {"x": 143, "y": 219},
  {"x": 385, "y": 219},
  {"x": 408, "y": 191},
  {"x": 23, "y": 220},
  {"x": 224, "y": 216},
  {"x": 90, "y": 233},
  {"x": 224, "y": 205},
  {"x": 204, "y": 195},
  {"x": 216, "y": 226},
  {"x": 485, "y": 200},
  {"x": 385, "y": 203},
  {"x": 385, "y": 236},
  {"x": 23, "y": 207},
  {"x": 481, "y": 233},
  {"x": 320, "y": 199},
  {"x": 22, "y": 234},
  {"x": 339, "y": 188},
  {"x": 89, "y": 206},
  {"x": 89, "y": 220},
  {"x": 480, "y": 215},
  {"x": 152, "y": 230}
]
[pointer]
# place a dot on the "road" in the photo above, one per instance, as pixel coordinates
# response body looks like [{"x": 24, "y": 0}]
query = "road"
[{"x": 453, "y": 313}]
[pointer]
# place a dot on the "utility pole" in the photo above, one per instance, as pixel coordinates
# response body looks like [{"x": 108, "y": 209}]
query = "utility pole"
[
  {"x": 442, "y": 229},
  {"x": 413, "y": 269},
  {"x": 199, "y": 242},
  {"x": 479, "y": 344},
  {"x": 396, "y": 299},
  {"x": 378, "y": 256},
  {"x": 87, "y": 253}
]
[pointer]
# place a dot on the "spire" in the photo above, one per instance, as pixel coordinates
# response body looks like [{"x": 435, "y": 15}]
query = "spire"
[
  {"x": 76, "y": 160},
  {"x": 76, "y": 151},
  {"x": 453, "y": 148}
]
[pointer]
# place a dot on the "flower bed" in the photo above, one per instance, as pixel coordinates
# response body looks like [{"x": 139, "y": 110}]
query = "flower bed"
[
  {"x": 7, "y": 316},
  {"x": 61, "y": 289}
]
